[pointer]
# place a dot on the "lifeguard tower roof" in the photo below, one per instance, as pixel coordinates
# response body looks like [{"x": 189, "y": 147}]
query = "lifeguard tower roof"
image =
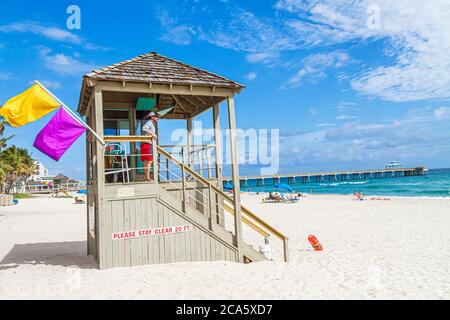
[{"x": 155, "y": 69}]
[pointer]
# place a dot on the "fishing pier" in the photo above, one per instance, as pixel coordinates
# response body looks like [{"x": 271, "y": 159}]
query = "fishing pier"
[{"x": 334, "y": 176}]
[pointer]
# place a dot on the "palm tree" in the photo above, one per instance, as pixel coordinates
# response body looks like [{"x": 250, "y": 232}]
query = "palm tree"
[
  {"x": 3, "y": 141},
  {"x": 18, "y": 165}
]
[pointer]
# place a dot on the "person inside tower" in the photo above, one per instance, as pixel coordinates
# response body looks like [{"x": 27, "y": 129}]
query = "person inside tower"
[{"x": 148, "y": 129}]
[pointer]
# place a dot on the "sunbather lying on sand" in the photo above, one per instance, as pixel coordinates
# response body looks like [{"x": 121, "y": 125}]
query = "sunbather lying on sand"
[
  {"x": 360, "y": 196},
  {"x": 79, "y": 200},
  {"x": 379, "y": 198}
]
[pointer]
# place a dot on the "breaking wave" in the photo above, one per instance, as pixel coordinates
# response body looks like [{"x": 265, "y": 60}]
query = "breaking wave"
[{"x": 342, "y": 183}]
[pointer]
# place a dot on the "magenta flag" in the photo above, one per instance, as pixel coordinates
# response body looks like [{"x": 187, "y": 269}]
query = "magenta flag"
[{"x": 58, "y": 135}]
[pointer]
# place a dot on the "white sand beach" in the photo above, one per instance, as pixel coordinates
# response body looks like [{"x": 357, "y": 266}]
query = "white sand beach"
[{"x": 397, "y": 249}]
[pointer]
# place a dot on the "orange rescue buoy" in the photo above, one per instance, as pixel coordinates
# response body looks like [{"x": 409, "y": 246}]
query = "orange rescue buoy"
[{"x": 315, "y": 243}]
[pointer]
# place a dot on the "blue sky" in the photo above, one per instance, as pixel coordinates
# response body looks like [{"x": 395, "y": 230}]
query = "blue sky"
[{"x": 349, "y": 86}]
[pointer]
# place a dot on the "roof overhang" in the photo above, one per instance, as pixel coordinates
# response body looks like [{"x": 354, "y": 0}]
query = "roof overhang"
[{"x": 208, "y": 94}]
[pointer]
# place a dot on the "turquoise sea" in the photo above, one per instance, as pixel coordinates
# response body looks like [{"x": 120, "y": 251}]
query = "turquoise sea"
[{"x": 435, "y": 184}]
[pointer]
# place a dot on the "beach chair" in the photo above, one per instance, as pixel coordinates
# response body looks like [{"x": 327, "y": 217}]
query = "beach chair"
[
  {"x": 116, "y": 154},
  {"x": 279, "y": 198}
]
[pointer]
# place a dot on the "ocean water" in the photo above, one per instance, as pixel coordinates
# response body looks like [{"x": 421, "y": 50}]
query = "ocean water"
[{"x": 435, "y": 184}]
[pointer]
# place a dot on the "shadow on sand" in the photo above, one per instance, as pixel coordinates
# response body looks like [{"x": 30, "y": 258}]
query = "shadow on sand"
[{"x": 66, "y": 254}]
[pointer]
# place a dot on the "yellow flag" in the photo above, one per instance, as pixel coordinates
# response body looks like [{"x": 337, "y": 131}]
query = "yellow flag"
[{"x": 28, "y": 106}]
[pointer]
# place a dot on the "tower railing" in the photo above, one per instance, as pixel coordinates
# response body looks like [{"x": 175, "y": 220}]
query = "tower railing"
[{"x": 197, "y": 192}]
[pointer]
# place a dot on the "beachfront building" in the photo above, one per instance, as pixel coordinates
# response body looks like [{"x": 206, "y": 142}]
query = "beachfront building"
[
  {"x": 62, "y": 182},
  {"x": 182, "y": 214},
  {"x": 40, "y": 171},
  {"x": 52, "y": 184}
]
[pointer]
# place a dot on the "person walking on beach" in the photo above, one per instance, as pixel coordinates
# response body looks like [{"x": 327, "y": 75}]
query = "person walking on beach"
[{"x": 148, "y": 129}]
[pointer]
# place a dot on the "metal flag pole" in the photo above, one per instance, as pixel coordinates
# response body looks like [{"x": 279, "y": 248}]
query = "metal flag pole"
[{"x": 72, "y": 114}]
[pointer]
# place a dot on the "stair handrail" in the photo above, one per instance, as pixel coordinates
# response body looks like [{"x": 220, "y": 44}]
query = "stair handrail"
[
  {"x": 244, "y": 210},
  {"x": 191, "y": 172}
]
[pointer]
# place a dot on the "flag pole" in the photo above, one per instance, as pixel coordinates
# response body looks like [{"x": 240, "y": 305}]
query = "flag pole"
[{"x": 72, "y": 114}]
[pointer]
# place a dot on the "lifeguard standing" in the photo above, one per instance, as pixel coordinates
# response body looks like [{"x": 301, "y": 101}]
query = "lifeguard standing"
[{"x": 148, "y": 129}]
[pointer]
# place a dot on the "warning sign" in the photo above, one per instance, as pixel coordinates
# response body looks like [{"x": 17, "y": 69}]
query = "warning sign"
[{"x": 150, "y": 232}]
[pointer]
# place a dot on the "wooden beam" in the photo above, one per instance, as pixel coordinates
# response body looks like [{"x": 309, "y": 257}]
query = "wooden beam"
[
  {"x": 117, "y": 105},
  {"x": 104, "y": 235},
  {"x": 180, "y": 104},
  {"x": 195, "y": 101},
  {"x": 236, "y": 180},
  {"x": 164, "y": 89},
  {"x": 133, "y": 128},
  {"x": 128, "y": 138},
  {"x": 192, "y": 107},
  {"x": 189, "y": 143},
  {"x": 176, "y": 116},
  {"x": 218, "y": 143}
]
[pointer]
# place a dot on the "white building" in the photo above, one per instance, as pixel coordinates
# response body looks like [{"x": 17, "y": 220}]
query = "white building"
[{"x": 40, "y": 172}]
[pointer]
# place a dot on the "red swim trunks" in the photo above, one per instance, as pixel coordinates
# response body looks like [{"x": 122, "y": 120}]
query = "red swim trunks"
[{"x": 146, "y": 152}]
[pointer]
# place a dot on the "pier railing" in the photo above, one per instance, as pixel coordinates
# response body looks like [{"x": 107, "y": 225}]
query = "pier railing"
[{"x": 321, "y": 176}]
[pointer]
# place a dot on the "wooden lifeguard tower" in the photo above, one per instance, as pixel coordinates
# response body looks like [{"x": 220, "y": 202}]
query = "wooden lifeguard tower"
[{"x": 183, "y": 214}]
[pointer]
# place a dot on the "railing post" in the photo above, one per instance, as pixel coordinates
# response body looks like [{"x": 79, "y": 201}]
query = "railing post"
[
  {"x": 183, "y": 182},
  {"x": 210, "y": 215},
  {"x": 286, "y": 249},
  {"x": 235, "y": 175},
  {"x": 190, "y": 148},
  {"x": 167, "y": 168},
  {"x": 208, "y": 160},
  {"x": 200, "y": 161},
  {"x": 155, "y": 161}
]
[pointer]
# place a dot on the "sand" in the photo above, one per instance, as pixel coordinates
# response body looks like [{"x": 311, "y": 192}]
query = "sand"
[{"x": 396, "y": 249}]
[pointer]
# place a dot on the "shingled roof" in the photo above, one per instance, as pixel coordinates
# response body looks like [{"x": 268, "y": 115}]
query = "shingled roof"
[{"x": 155, "y": 68}]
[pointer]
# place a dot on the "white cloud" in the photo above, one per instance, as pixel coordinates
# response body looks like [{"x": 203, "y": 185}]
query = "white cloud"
[
  {"x": 178, "y": 34},
  {"x": 289, "y": 5},
  {"x": 313, "y": 111},
  {"x": 346, "y": 117},
  {"x": 314, "y": 67},
  {"x": 416, "y": 40},
  {"x": 403, "y": 140},
  {"x": 323, "y": 125},
  {"x": 48, "y": 32},
  {"x": 64, "y": 64},
  {"x": 51, "y": 84},
  {"x": 412, "y": 33},
  {"x": 251, "y": 76},
  {"x": 442, "y": 113},
  {"x": 347, "y": 105},
  {"x": 262, "y": 57}
]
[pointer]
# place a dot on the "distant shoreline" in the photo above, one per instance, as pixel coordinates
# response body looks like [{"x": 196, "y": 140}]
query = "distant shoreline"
[{"x": 350, "y": 194}]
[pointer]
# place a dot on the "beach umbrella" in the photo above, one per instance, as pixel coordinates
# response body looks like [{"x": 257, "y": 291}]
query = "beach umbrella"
[
  {"x": 228, "y": 186},
  {"x": 284, "y": 186}
]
